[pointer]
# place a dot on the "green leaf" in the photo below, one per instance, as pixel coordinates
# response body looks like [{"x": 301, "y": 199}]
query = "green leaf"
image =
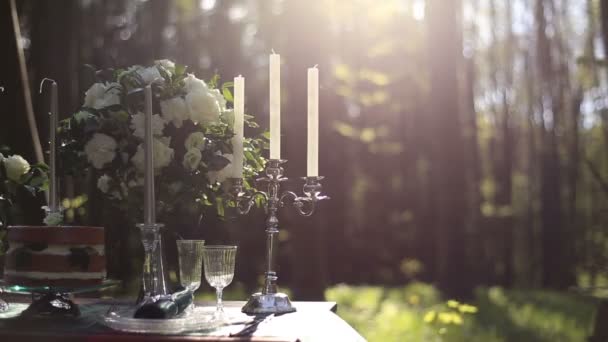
[
  {"x": 227, "y": 95},
  {"x": 220, "y": 206},
  {"x": 217, "y": 163},
  {"x": 226, "y": 91},
  {"x": 180, "y": 69}
]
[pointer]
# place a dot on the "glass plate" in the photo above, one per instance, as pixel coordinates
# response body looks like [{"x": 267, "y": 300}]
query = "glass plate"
[
  {"x": 23, "y": 289},
  {"x": 193, "y": 320}
]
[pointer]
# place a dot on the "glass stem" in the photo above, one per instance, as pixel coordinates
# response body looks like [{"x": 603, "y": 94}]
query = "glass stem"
[{"x": 220, "y": 305}]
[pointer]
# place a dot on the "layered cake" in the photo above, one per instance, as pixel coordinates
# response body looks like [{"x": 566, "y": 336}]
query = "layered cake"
[{"x": 70, "y": 256}]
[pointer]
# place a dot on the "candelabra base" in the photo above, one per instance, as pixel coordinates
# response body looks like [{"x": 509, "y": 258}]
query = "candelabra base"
[{"x": 272, "y": 303}]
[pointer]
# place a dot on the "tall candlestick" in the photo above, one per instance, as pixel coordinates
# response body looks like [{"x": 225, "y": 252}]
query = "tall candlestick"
[
  {"x": 275, "y": 106},
  {"x": 149, "y": 202},
  {"x": 239, "y": 121},
  {"x": 53, "y": 199},
  {"x": 313, "y": 122}
]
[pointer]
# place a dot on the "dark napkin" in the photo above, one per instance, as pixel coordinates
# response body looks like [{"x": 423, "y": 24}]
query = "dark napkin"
[{"x": 166, "y": 307}]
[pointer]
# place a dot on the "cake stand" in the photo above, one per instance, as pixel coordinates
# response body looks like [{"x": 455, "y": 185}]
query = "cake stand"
[{"x": 53, "y": 300}]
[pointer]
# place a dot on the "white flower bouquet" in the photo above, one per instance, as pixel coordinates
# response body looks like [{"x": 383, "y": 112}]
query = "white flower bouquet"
[{"x": 192, "y": 127}]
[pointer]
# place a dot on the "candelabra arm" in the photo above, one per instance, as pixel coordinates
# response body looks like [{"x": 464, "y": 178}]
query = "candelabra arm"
[
  {"x": 243, "y": 199},
  {"x": 244, "y": 205},
  {"x": 305, "y": 206}
]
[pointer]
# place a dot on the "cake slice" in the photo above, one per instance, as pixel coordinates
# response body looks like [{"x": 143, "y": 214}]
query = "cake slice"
[{"x": 67, "y": 256}]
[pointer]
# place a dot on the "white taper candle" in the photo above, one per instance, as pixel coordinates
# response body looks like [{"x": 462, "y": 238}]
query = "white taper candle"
[
  {"x": 53, "y": 198},
  {"x": 149, "y": 201},
  {"x": 313, "y": 123},
  {"x": 239, "y": 122},
  {"x": 275, "y": 106}
]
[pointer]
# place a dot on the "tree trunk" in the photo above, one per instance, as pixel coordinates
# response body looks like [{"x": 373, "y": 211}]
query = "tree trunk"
[
  {"x": 444, "y": 31},
  {"x": 554, "y": 256}
]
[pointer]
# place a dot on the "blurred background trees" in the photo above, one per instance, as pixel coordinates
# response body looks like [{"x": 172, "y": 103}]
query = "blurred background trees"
[{"x": 464, "y": 142}]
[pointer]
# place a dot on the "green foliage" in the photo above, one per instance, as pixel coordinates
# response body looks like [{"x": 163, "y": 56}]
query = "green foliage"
[{"x": 417, "y": 313}]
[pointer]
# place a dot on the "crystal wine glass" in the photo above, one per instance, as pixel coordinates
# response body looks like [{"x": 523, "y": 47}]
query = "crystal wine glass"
[
  {"x": 190, "y": 253},
  {"x": 219, "y": 271}
]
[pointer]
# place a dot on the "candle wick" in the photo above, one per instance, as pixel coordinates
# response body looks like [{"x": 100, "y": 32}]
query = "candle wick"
[
  {"x": 42, "y": 83},
  {"x": 274, "y": 53},
  {"x": 1, "y": 89},
  {"x": 316, "y": 65}
]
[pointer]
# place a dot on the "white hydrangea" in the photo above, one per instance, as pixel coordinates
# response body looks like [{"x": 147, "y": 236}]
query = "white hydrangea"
[
  {"x": 103, "y": 183},
  {"x": 163, "y": 155},
  {"x": 202, "y": 102},
  {"x": 138, "y": 122},
  {"x": 175, "y": 110},
  {"x": 165, "y": 140},
  {"x": 149, "y": 75},
  {"x": 219, "y": 98},
  {"x": 167, "y": 64},
  {"x": 138, "y": 181},
  {"x": 223, "y": 174},
  {"x": 195, "y": 140},
  {"x": 102, "y": 95},
  {"x": 15, "y": 166},
  {"x": 203, "y": 105},
  {"x": 192, "y": 159},
  {"x": 100, "y": 150},
  {"x": 191, "y": 83}
]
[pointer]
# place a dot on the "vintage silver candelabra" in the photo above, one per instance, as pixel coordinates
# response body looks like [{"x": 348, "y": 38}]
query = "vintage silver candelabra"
[{"x": 269, "y": 300}]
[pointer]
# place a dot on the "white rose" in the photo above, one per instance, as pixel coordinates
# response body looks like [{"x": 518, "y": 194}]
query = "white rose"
[
  {"x": 195, "y": 140},
  {"x": 103, "y": 183},
  {"x": 116, "y": 195},
  {"x": 149, "y": 75},
  {"x": 163, "y": 155},
  {"x": 174, "y": 110},
  {"x": 102, "y": 95},
  {"x": 83, "y": 115},
  {"x": 191, "y": 83},
  {"x": 138, "y": 122},
  {"x": 15, "y": 167},
  {"x": 192, "y": 159},
  {"x": 167, "y": 64},
  {"x": 203, "y": 105},
  {"x": 219, "y": 98},
  {"x": 223, "y": 174},
  {"x": 100, "y": 150}
]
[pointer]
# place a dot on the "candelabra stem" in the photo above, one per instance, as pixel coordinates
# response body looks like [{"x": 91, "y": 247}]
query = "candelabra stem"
[{"x": 272, "y": 231}]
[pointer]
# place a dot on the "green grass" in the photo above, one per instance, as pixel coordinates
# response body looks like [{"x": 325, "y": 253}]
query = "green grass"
[{"x": 417, "y": 312}]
